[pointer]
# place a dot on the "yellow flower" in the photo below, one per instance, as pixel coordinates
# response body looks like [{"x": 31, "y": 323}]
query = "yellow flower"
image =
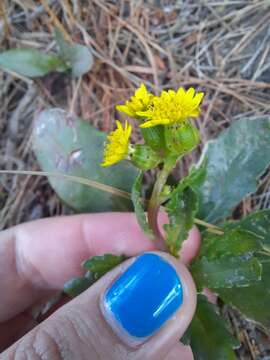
[
  {"x": 117, "y": 147},
  {"x": 138, "y": 102},
  {"x": 172, "y": 107}
]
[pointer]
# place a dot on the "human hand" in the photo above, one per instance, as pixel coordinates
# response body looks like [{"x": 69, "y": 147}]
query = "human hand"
[{"x": 36, "y": 260}]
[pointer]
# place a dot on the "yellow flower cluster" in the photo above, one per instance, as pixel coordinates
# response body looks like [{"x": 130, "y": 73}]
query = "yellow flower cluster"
[
  {"x": 139, "y": 102},
  {"x": 117, "y": 147},
  {"x": 171, "y": 107}
]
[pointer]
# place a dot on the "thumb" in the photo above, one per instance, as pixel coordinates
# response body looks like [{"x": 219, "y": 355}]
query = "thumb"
[{"x": 139, "y": 310}]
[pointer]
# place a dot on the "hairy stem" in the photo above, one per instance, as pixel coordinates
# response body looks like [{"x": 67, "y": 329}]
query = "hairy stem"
[{"x": 154, "y": 205}]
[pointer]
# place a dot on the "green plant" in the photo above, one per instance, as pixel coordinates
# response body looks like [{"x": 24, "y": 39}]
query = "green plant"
[
  {"x": 234, "y": 258},
  {"x": 34, "y": 63}
]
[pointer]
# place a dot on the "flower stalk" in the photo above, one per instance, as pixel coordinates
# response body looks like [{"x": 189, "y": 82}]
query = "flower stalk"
[
  {"x": 155, "y": 203},
  {"x": 168, "y": 135}
]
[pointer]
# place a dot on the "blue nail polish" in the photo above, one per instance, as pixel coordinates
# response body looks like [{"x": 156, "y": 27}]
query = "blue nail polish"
[{"x": 145, "y": 296}]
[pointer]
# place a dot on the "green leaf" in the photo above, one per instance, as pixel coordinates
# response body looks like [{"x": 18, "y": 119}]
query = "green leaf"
[
  {"x": 30, "y": 62},
  {"x": 208, "y": 335},
  {"x": 77, "y": 57},
  {"x": 253, "y": 301},
  {"x": 98, "y": 266},
  {"x": 195, "y": 178},
  {"x": 257, "y": 222},
  {"x": 76, "y": 286},
  {"x": 226, "y": 272},
  {"x": 181, "y": 208},
  {"x": 68, "y": 145},
  {"x": 235, "y": 160},
  {"x": 138, "y": 208},
  {"x": 232, "y": 243}
]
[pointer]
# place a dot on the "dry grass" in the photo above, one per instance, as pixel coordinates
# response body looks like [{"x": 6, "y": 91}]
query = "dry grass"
[{"x": 221, "y": 47}]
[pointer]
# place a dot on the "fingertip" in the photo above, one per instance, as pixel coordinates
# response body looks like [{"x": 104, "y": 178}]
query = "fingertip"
[
  {"x": 191, "y": 246},
  {"x": 118, "y": 233},
  {"x": 152, "y": 302},
  {"x": 167, "y": 297}
]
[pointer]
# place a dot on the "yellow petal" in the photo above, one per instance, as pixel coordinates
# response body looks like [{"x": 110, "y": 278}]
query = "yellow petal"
[
  {"x": 141, "y": 93},
  {"x": 117, "y": 145},
  {"x": 195, "y": 113},
  {"x": 125, "y": 109},
  {"x": 190, "y": 93},
  {"x": 172, "y": 93},
  {"x": 180, "y": 92},
  {"x": 118, "y": 124},
  {"x": 198, "y": 98},
  {"x": 128, "y": 129},
  {"x": 152, "y": 123},
  {"x": 145, "y": 114},
  {"x": 164, "y": 95},
  {"x": 105, "y": 164}
]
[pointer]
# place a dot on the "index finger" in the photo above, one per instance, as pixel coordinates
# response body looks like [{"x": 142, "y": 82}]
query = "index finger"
[{"x": 43, "y": 254}]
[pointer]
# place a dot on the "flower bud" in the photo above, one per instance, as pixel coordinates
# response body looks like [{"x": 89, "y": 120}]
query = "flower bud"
[
  {"x": 181, "y": 139},
  {"x": 154, "y": 137},
  {"x": 144, "y": 157}
]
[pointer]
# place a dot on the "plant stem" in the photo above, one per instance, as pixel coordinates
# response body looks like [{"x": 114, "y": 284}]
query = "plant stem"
[
  {"x": 94, "y": 184},
  {"x": 210, "y": 227},
  {"x": 154, "y": 205}
]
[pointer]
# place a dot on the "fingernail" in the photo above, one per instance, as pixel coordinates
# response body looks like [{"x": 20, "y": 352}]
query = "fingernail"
[{"x": 142, "y": 299}]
